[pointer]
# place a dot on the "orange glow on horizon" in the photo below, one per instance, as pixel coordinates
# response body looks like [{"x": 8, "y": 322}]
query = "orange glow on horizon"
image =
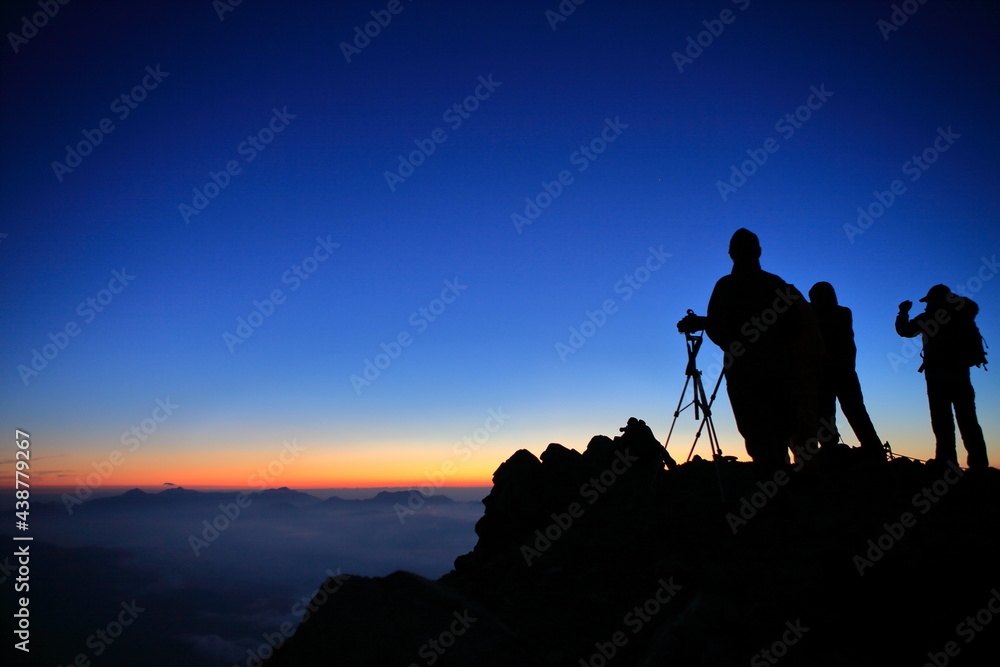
[
  {"x": 370, "y": 466},
  {"x": 207, "y": 481}
]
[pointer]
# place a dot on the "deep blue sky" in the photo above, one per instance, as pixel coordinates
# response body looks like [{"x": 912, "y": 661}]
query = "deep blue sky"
[{"x": 494, "y": 347}]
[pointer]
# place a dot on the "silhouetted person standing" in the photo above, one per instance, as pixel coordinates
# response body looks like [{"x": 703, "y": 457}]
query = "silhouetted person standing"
[
  {"x": 808, "y": 362},
  {"x": 752, "y": 317},
  {"x": 951, "y": 346},
  {"x": 840, "y": 377}
]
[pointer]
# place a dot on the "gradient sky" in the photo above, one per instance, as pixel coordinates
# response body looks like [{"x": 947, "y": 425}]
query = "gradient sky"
[{"x": 889, "y": 96}]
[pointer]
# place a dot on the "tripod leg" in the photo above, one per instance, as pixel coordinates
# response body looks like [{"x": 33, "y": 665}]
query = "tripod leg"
[
  {"x": 677, "y": 411},
  {"x": 706, "y": 412}
]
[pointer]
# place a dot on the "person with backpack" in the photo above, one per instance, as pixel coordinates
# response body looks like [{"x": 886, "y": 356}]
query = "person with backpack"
[{"x": 952, "y": 344}]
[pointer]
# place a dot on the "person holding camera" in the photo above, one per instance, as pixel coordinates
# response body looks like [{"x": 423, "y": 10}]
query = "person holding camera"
[{"x": 753, "y": 316}]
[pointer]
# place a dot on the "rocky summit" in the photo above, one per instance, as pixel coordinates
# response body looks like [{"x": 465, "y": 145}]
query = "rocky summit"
[{"x": 606, "y": 558}]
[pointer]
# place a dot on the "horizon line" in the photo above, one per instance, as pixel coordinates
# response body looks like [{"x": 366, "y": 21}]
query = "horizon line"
[{"x": 221, "y": 487}]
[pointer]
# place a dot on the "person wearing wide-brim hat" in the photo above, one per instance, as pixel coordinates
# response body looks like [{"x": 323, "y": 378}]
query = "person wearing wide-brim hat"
[{"x": 951, "y": 346}]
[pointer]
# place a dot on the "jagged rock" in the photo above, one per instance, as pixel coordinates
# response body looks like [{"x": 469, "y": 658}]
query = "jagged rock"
[
  {"x": 600, "y": 450},
  {"x": 584, "y": 560},
  {"x": 557, "y": 455}
]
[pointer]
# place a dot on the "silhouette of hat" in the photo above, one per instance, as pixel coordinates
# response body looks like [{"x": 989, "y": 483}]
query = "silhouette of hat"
[
  {"x": 744, "y": 239},
  {"x": 937, "y": 293}
]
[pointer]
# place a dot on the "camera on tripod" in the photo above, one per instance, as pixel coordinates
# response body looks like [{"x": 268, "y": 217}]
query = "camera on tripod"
[{"x": 691, "y": 323}]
